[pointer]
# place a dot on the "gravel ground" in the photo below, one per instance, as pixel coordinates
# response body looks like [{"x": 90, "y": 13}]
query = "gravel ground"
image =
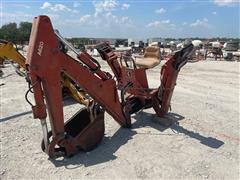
[{"x": 203, "y": 144}]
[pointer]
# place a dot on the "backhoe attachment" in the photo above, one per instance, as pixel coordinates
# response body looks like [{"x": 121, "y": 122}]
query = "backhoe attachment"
[{"x": 122, "y": 97}]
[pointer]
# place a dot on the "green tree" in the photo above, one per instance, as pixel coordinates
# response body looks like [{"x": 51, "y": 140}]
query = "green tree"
[
  {"x": 24, "y": 31},
  {"x": 21, "y": 34},
  {"x": 9, "y": 32}
]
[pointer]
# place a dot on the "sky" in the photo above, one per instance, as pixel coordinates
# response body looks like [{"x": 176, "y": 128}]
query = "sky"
[{"x": 131, "y": 18}]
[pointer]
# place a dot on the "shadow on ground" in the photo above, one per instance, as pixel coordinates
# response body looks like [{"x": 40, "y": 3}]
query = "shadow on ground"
[
  {"x": 66, "y": 102},
  {"x": 15, "y": 116},
  {"x": 105, "y": 151}
]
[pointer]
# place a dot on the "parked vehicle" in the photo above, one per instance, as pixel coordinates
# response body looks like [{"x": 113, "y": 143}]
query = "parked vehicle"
[{"x": 231, "y": 50}]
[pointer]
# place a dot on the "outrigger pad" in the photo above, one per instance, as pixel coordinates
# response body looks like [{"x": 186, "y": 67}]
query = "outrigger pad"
[{"x": 87, "y": 134}]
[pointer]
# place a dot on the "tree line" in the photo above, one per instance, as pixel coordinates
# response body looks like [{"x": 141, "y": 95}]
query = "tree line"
[{"x": 16, "y": 33}]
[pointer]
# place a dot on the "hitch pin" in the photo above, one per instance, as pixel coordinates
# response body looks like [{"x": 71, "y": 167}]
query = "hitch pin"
[{"x": 45, "y": 133}]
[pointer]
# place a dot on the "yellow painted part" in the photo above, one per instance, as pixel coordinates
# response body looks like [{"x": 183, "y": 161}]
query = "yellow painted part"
[
  {"x": 78, "y": 96},
  {"x": 8, "y": 51}
]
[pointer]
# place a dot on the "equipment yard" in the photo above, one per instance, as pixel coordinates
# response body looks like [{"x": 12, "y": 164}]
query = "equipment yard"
[{"x": 203, "y": 143}]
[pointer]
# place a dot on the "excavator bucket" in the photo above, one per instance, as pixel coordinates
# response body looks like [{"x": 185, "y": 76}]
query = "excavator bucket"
[
  {"x": 87, "y": 132},
  {"x": 84, "y": 131}
]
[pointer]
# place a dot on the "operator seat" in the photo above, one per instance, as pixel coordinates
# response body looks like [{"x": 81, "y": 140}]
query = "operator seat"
[{"x": 150, "y": 59}]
